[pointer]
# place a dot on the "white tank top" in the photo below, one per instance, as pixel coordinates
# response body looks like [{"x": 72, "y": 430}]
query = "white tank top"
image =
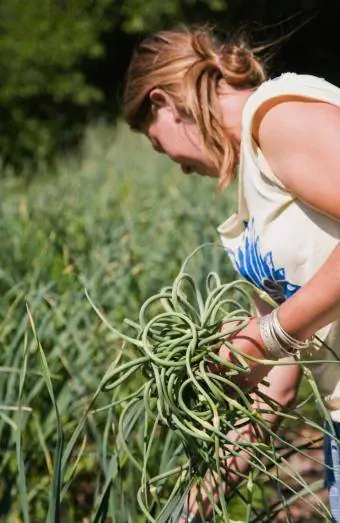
[{"x": 277, "y": 241}]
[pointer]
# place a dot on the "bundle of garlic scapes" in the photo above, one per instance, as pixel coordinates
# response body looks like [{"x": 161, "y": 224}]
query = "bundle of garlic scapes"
[{"x": 176, "y": 339}]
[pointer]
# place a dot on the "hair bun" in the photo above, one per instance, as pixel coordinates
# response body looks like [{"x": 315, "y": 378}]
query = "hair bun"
[
  {"x": 242, "y": 68},
  {"x": 235, "y": 60}
]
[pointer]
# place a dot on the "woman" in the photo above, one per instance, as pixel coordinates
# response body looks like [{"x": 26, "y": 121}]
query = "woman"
[{"x": 209, "y": 107}]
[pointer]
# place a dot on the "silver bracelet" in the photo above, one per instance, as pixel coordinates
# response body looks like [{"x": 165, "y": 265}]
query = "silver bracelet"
[
  {"x": 278, "y": 342},
  {"x": 269, "y": 340},
  {"x": 294, "y": 344}
]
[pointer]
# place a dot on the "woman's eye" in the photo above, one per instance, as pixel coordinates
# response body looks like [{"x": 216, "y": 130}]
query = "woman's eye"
[
  {"x": 157, "y": 147},
  {"x": 187, "y": 169}
]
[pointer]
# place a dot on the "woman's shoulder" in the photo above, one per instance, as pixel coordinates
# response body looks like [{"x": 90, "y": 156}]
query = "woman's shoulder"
[
  {"x": 292, "y": 85},
  {"x": 282, "y": 96},
  {"x": 296, "y": 127},
  {"x": 299, "y": 139},
  {"x": 298, "y": 104},
  {"x": 297, "y": 120}
]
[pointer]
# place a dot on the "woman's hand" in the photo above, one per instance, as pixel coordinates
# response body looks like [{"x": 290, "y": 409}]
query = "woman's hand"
[
  {"x": 281, "y": 388},
  {"x": 249, "y": 342}
]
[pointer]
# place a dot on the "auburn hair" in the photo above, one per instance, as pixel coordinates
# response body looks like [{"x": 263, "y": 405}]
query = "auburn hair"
[{"x": 188, "y": 64}]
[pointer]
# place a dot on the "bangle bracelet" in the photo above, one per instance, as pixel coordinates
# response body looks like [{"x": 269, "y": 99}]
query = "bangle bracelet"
[
  {"x": 269, "y": 339},
  {"x": 270, "y": 342},
  {"x": 278, "y": 342},
  {"x": 287, "y": 339}
]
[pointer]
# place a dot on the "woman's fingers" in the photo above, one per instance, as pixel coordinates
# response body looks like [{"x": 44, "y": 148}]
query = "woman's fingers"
[{"x": 248, "y": 342}]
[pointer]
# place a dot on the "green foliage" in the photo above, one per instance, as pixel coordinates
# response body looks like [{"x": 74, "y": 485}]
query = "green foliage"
[
  {"x": 142, "y": 17},
  {"x": 119, "y": 225},
  {"x": 46, "y": 50},
  {"x": 43, "y": 45}
]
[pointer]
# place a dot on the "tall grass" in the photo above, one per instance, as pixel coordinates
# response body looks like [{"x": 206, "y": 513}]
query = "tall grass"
[{"x": 117, "y": 220}]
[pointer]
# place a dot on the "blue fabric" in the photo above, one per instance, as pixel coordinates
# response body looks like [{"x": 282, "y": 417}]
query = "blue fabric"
[
  {"x": 332, "y": 470},
  {"x": 259, "y": 268}
]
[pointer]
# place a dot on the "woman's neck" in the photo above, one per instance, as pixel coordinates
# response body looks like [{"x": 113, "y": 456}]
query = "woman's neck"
[{"x": 232, "y": 102}]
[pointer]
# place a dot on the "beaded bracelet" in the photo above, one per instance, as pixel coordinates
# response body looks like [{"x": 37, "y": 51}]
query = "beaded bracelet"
[{"x": 278, "y": 342}]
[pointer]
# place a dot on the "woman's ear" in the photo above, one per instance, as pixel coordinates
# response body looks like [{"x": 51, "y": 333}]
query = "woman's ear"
[{"x": 160, "y": 98}]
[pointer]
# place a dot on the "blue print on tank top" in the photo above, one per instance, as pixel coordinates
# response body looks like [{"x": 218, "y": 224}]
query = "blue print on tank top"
[{"x": 260, "y": 270}]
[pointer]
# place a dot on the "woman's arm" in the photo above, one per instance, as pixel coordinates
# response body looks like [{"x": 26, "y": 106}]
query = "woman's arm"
[
  {"x": 282, "y": 387},
  {"x": 300, "y": 141}
]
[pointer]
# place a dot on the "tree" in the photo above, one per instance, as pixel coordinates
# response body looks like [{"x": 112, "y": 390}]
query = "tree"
[{"x": 42, "y": 48}]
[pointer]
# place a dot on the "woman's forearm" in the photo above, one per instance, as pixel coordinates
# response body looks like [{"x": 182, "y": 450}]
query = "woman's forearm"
[{"x": 317, "y": 303}]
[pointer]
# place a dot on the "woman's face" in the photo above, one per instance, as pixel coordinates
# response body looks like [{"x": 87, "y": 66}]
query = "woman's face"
[{"x": 178, "y": 137}]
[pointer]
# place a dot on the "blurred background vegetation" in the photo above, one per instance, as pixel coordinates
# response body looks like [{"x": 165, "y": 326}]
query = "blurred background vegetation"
[
  {"x": 79, "y": 210},
  {"x": 62, "y": 63}
]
